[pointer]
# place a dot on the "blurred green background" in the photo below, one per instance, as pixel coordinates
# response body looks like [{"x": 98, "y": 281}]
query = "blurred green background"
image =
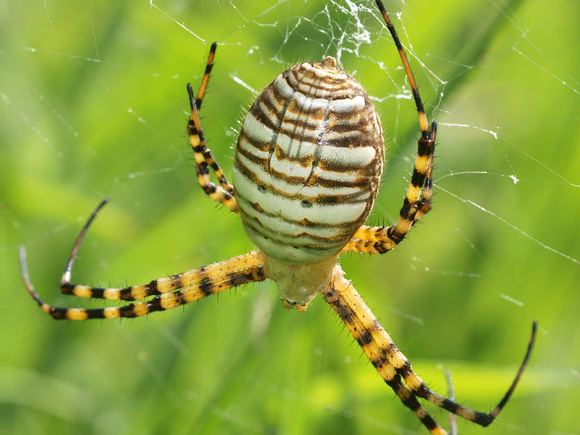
[{"x": 94, "y": 105}]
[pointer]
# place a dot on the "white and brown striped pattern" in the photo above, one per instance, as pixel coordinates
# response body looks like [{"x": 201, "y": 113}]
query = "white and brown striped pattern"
[{"x": 308, "y": 163}]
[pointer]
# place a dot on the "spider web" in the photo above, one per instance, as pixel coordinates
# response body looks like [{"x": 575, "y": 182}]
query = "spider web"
[{"x": 94, "y": 105}]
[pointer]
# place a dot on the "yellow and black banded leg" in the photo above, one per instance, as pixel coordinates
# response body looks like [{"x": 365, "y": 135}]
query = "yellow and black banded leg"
[
  {"x": 165, "y": 301},
  {"x": 393, "y": 366},
  {"x": 378, "y": 240},
  {"x": 169, "y": 292},
  {"x": 198, "y": 101},
  {"x": 223, "y": 193},
  {"x": 157, "y": 286},
  {"x": 167, "y": 284},
  {"x": 375, "y": 342}
]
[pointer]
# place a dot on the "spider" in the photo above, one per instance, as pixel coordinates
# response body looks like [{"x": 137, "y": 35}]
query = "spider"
[{"x": 307, "y": 169}]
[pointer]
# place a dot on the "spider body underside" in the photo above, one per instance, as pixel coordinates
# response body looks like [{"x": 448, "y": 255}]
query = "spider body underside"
[{"x": 308, "y": 165}]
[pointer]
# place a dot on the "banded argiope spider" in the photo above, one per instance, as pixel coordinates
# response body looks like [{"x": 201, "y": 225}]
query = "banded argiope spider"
[{"x": 307, "y": 169}]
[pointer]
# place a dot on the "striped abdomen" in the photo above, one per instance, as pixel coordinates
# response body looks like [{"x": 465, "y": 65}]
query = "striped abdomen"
[{"x": 308, "y": 163}]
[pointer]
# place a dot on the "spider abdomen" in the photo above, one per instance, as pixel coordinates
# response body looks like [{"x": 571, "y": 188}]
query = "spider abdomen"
[{"x": 308, "y": 163}]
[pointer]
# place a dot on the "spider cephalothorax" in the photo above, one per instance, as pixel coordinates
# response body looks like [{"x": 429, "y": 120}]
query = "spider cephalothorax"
[{"x": 308, "y": 165}]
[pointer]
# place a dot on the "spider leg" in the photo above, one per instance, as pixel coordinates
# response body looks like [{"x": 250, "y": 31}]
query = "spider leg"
[
  {"x": 165, "y": 301},
  {"x": 155, "y": 287},
  {"x": 378, "y": 240},
  {"x": 223, "y": 193},
  {"x": 392, "y": 365},
  {"x": 170, "y": 291},
  {"x": 166, "y": 284},
  {"x": 206, "y": 75},
  {"x": 376, "y": 344},
  {"x": 198, "y": 101}
]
